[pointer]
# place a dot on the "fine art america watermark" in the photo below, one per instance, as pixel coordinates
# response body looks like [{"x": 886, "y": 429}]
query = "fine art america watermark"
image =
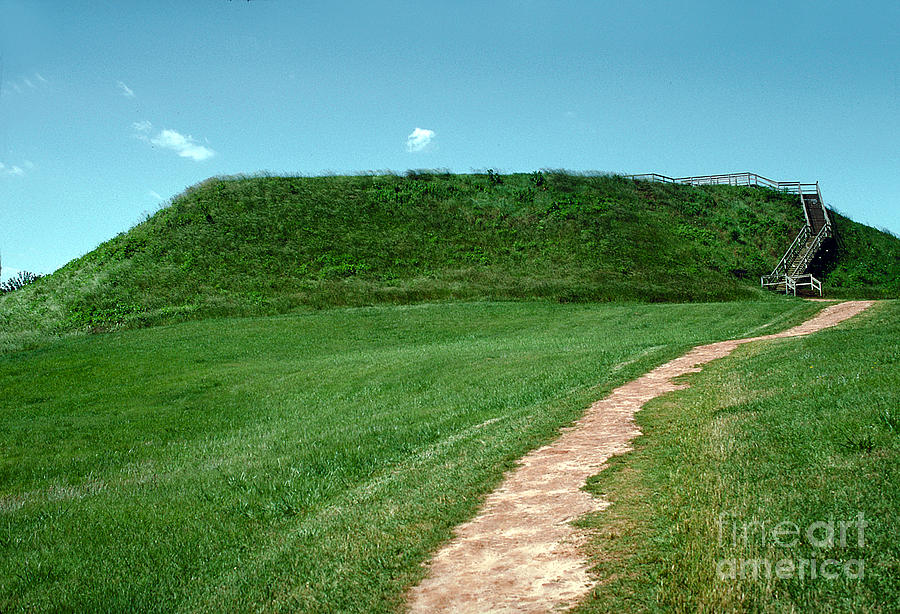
[{"x": 824, "y": 539}]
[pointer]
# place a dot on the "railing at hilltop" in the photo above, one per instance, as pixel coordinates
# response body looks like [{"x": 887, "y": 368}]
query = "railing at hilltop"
[
  {"x": 803, "y": 190},
  {"x": 735, "y": 179}
]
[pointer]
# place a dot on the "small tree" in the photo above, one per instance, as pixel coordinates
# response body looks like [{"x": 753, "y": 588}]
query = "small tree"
[{"x": 19, "y": 281}]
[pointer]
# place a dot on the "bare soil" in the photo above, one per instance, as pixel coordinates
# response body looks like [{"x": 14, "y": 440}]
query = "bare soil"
[{"x": 521, "y": 552}]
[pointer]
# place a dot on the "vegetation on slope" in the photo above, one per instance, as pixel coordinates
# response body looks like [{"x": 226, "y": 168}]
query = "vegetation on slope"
[
  {"x": 862, "y": 262},
  {"x": 266, "y": 245},
  {"x": 306, "y": 462},
  {"x": 799, "y": 431}
]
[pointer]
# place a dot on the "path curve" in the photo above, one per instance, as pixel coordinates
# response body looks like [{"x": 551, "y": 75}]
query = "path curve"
[{"x": 521, "y": 552}]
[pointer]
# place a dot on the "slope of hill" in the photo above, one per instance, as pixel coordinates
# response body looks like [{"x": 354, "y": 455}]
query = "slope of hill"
[
  {"x": 257, "y": 245},
  {"x": 864, "y": 262}
]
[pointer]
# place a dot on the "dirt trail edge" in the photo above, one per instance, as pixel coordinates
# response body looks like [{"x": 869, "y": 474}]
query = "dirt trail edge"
[{"x": 521, "y": 554}]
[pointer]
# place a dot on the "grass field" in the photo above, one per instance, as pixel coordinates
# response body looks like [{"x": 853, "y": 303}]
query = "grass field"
[
  {"x": 306, "y": 462},
  {"x": 804, "y": 432}
]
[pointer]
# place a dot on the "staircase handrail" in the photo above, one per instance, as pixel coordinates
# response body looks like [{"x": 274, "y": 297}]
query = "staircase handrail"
[
  {"x": 790, "y": 285},
  {"x": 824, "y": 208},
  {"x": 813, "y": 248},
  {"x": 795, "y": 247}
]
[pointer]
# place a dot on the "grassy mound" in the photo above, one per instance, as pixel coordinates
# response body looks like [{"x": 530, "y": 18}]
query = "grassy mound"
[{"x": 265, "y": 245}]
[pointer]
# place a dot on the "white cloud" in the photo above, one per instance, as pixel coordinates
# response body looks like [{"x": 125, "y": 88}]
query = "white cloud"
[
  {"x": 126, "y": 91},
  {"x": 155, "y": 195},
  {"x": 14, "y": 171},
  {"x": 419, "y": 139},
  {"x": 22, "y": 84},
  {"x": 184, "y": 146}
]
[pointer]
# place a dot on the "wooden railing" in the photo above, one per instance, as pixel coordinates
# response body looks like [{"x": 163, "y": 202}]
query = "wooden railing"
[
  {"x": 735, "y": 179},
  {"x": 792, "y": 282},
  {"x": 780, "y": 270},
  {"x": 812, "y": 248},
  {"x": 652, "y": 177}
]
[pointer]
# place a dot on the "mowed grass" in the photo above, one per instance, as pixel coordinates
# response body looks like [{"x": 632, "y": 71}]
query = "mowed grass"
[
  {"x": 297, "y": 463},
  {"x": 781, "y": 438}
]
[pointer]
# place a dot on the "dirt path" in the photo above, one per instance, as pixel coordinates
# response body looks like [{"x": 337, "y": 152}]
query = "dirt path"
[{"x": 521, "y": 554}]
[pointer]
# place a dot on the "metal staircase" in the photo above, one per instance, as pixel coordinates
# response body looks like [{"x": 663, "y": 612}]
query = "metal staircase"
[{"x": 791, "y": 271}]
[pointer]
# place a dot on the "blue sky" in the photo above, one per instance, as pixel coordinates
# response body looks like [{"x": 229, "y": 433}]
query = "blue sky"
[{"x": 108, "y": 109}]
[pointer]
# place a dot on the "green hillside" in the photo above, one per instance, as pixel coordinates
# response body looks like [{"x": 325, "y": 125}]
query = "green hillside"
[
  {"x": 865, "y": 262},
  {"x": 264, "y": 245}
]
